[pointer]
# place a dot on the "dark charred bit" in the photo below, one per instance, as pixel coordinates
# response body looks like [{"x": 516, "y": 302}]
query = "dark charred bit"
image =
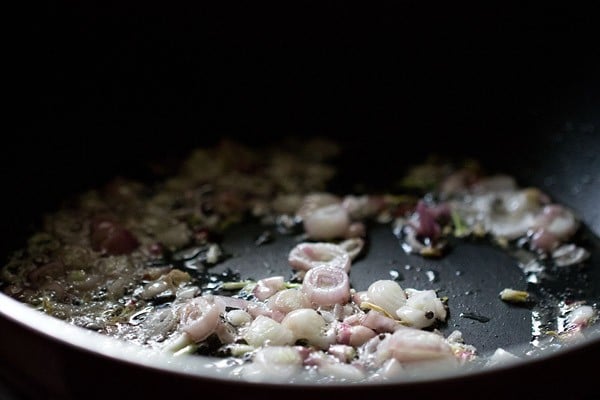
[{"x": 474, "y": 316}]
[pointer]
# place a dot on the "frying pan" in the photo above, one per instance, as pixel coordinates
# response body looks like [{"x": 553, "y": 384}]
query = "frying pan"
[{"x": 145, "y": 87}]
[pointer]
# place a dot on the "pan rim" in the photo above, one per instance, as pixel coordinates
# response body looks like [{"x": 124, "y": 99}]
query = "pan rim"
[{"x": 95, "y": 344}]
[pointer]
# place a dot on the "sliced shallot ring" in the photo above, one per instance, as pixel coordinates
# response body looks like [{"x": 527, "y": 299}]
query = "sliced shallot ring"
[
  {"x": 306, "y": 256},
  {"x": 326, "y": 286}
]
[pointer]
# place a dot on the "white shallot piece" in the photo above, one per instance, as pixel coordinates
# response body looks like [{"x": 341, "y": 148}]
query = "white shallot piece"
[
  {"x": 341, "y": 371},
  {"x": 569, "y": 254},
  {"x": 267, "y": 287},
  {"x": 391, "y": 368},
  {"x": 313, "y": 201},
  {"x": 422, "y": 308},
  {"x": 501, "y": 357},
  {"x": 580, "y": 317},
  {"x": 265, "y": 331},
  {"x": 506, "y": 214},
  {"x": 379, "y": 322},
  {"x": 306, "y": 256},
  {"x": 272, "y": 363},
  {"x": 238, "y": 317},
  {"x": 287, "y": 300},
  {"x": 411, "y": 345},
  {"x": 557, "y": 220},
  {"x": 386, "y": 294},
  {"x": 307, "y": 324},
  {"x": 327, "y": 223},
  {"x": 353, "y": 335}
]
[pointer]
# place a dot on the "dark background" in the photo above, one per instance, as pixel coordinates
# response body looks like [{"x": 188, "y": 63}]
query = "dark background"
[{"x": 109, "y": 72}]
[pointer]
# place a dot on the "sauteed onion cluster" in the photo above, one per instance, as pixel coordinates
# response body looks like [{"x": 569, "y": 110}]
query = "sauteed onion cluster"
[{"x": 134, "y": 260}]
